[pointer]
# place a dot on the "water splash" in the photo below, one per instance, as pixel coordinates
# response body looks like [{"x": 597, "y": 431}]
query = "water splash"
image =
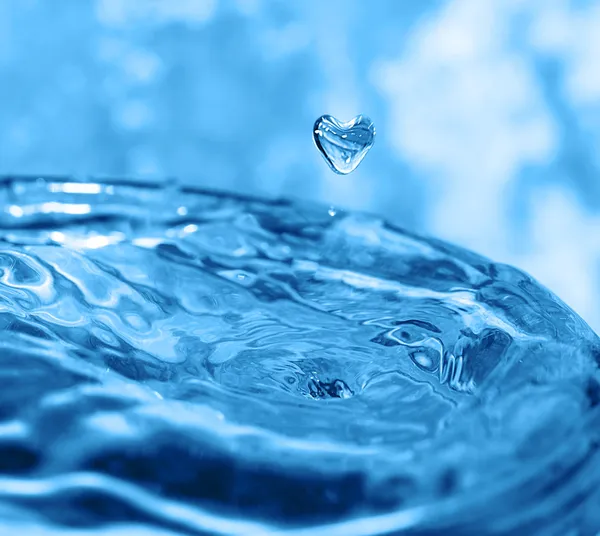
[
  {"x": 201, "y": 363},
  {"x": 343, "y": 145}
]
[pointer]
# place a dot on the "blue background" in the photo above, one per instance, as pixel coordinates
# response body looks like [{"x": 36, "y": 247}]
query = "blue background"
[{"x": 487, "y": 111}]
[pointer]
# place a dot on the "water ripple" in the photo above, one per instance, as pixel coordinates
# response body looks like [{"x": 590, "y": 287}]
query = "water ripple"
[{"x": 245, "y": 366}]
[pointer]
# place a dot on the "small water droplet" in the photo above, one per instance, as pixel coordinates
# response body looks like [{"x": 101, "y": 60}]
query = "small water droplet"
[
  {"x": 343, "y": 145},
  {"x": 332, "y": 212}
]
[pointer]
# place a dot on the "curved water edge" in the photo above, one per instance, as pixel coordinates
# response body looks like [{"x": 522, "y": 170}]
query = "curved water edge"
[{"x": 185, "y": 361}]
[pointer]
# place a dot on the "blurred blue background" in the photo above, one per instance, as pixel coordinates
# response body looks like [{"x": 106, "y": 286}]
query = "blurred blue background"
[{"x": 487, "y": 111}]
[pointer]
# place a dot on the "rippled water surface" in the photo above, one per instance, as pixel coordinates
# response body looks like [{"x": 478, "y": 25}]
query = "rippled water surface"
[{"x": 190, "y": 362}]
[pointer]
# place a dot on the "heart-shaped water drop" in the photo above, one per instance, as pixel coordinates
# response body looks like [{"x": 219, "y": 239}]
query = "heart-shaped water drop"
[{"x": 343, "y": 145}]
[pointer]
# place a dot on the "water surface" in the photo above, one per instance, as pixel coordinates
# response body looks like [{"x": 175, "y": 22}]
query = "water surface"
[{"x": 179, "y": 361}]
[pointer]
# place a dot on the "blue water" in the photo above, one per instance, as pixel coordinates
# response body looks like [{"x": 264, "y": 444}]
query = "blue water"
[
  {"x": 179, "y": 361},
  {"x": 343, "y": 144}
]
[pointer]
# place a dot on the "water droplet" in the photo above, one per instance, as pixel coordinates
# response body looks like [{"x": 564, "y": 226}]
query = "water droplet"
[
  {"x": 343, "y": 145},
  {"x": 332, "y": 212}
]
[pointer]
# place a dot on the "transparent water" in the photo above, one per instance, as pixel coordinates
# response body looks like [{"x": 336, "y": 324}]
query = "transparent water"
[
  {"x": 178, "y": 361},
  {"x": 343, "y": 144}
]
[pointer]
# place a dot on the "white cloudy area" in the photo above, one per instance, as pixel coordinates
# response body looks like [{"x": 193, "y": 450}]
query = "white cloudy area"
[
  {"x": 487, "y": 111},
  {"x": 469, "y": 112}
]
